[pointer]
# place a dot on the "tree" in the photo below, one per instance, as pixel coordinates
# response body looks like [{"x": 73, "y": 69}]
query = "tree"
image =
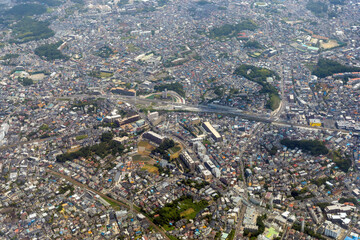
[
  {"x": 26, "y": 81},
  {"x": 28, "y": 29},
  {"x": 326, "y": 67},
  {"x": 27, "y": 9},
  {"x": 259, "y": 75},
  {"x": 252, "y": 44},
  {"x": 102, "y": 150},
  {"x": 50, "y": 51},
  {"x": 229, "y": 30},
  {"x": 314, "y": 147},
  {"x": 317, "y": 7},
  {"x": 163, "y": 147},
  {"x": 106, "y": 136},
  {"x": 176, "y": 87},
  {"x": 105, "y": 52}
]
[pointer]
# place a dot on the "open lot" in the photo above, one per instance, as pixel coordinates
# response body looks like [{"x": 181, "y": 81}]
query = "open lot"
[
  {"x": 144, "y": 148},
  {"x": 329, "y": 44},
  {"x": 150, "y": 168}
]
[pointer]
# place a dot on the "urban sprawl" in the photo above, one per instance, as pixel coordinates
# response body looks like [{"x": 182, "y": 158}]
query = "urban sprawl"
[{"x": 167, "y": 119}]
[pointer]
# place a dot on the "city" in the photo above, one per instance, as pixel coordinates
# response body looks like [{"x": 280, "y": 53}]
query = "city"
[{"x": 159, "y": 119}]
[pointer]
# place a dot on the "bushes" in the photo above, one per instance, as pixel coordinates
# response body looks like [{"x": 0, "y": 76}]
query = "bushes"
[
  {"x": 323, "y": 205},
  {"x": 9, "y": 56},
  {"x": 195, "y": 184},
  {"x": 302, "y": 194},
  {"x": 337, "y": 2},
  {"x": 273, "y": 102},
  {"x": 320, "y": 181},
  {"x": 63, "y": 189}
]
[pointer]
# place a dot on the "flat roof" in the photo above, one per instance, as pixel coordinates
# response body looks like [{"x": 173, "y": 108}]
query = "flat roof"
[
  {"x": 155, "y": 134},
  {"x": 212, "y": 130}
]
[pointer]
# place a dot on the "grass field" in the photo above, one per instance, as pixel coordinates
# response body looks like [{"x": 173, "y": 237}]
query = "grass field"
[
  {"x": 151, "y": 168},
  {"x": 145, "y": 147},
  {"x": 271, "y": 233},
  {"x": 140, "y": 158},
  {"x": 106, "y": 74},
  {"x": 146, "y": 144},
  {"x": 187, "y": 212},
  {"x": 254, "y": 54},
  {"x": 113, "y": 204},
  {"x": 157, "y": 96},
  {"x": 151, "y": 97},
  {"x": 81, "y": 137},
  {"x": 189, "y": 208},
  {"x": 175, "y": 149},
  {"x": 132, "y": 48}
]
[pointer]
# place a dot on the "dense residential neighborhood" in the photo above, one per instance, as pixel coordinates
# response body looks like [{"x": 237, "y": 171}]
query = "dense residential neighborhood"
[{"x": 162, "y": 119}]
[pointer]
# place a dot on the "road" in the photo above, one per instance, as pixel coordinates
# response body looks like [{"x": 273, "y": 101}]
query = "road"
[
  {"x": 211, "y": 108},
  {"x": 282, "y": 106},
  {"x": 123, "y": 202},
  {"x": 245, "y": 195},
  {"x": 240, "y": 221}
]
